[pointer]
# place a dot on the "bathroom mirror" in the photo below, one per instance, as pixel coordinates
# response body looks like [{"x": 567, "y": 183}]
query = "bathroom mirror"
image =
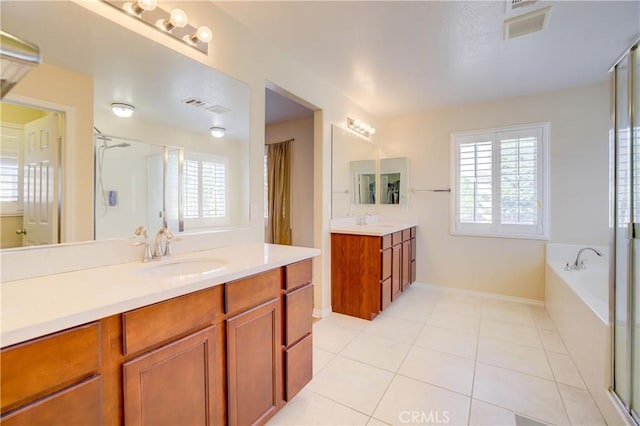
[
  {"x": 177, "y": 100},
  {"x": 353, "y": 173},
  {"x": 393, "y": 180}
]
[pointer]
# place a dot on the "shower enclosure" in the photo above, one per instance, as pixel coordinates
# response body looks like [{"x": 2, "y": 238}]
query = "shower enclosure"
[{"x": 625, "y": 201}]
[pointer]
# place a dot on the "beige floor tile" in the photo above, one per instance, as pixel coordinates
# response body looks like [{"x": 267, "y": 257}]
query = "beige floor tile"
[
  {"x": 309, "y": 408},
  {"x": 524, "y": 359},
  {"x": 483, "y": 414},
  {"x": 331, "y": 337},
  {"x": 580, "y": 406},
  {"x": 345, "y": 321},
  {"x": 414, "y": 312},
  {"x": 454, "y": 321},
  {"x": 513, "y": 333},
  {"x": 375, "y": 422},
  {"x": 409, "y": 401},
  {"x": 516, "y": 313},
  {"x": 351, "y": 383},
  {"x": 552, "y": 342},
  {"x": 437, "y": 368},
  {"x": 320, "y": 359},
  {"x": 449, "y": 341},
  {"x": 541, "y": 318},
  {"x": 460, "y": 306},
  {"x": 532, "y": 396},
  {"x": 394, "y": 328},
  {"x": 377, "y": 351},
  {"x": 564, "y": 370}
]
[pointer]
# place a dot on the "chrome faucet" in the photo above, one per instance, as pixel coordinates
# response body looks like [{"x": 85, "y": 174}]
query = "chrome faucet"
[
  {"x": 142, "y": 231},
  {"x": 579, "y": 265},
  {"x": 160, "y": 249}
]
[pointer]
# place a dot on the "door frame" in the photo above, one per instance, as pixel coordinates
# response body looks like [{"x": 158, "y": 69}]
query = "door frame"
[{"x": 66, "y": 158}]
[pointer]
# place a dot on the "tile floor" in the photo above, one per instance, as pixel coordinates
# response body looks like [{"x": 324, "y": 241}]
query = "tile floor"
[{"x": 436, "y": 357}]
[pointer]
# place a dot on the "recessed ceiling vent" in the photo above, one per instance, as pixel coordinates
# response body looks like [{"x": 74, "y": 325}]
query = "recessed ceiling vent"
[
  {"x": 218, "y": 109},
  {"x": 527, "y": 23},
  {"x": 516, "y": 4},
  {"x": 195, "y": 102}
]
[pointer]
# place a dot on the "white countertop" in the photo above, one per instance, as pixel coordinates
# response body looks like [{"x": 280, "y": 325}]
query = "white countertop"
[
  {"x": 38, "y": 306},
  {"x": 375, "y": 229}
]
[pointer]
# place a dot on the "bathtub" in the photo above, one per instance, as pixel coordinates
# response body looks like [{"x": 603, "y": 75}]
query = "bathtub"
[{"x": 578, "y": 303}]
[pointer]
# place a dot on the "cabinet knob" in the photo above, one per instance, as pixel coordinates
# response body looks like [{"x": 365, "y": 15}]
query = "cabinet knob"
[{"x": 22, "y": 231}]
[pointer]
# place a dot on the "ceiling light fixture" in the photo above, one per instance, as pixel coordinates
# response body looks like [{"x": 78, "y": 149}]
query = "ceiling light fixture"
[
  {"x": 217, "y": 132},
  {"x": 174, "y": 23},
  {"x": 360, "y": 127},
  {"x": 122, "y": 110}
]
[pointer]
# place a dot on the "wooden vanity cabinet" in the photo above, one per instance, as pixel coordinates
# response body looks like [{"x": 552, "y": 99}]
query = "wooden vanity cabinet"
[
  {"x": 369, "y": 272},
  {"x": 44, "y": 375}
]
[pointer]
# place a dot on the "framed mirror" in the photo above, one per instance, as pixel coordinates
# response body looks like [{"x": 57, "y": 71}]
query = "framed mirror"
[
  {"x": 393, "y": 180},
  {"x": 89, "y": 63},
  {"x": 353, "y": 174}
]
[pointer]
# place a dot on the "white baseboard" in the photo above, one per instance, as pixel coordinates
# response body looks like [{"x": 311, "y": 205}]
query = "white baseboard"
[
  {"x": 322, "y": 313},
  {"x": 482, "y": 294}
]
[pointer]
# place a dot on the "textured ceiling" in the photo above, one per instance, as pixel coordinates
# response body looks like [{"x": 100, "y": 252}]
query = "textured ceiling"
[{"x": 394, "y": 57}]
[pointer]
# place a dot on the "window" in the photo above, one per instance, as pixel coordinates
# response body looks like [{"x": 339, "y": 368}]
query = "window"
[
  {"x": 500, "y": 182},
  {"x": 11, "y": 195},
  {"x": 205, "y": 190}
]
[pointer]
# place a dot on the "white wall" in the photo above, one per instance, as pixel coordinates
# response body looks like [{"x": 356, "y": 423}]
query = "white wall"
[
  {"x": 579, "y": 120},
  {"x": 301, "y": 175}
]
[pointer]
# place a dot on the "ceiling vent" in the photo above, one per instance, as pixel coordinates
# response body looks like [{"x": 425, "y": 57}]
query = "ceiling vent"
[
  {"x": 516, "y": 4},
  {"x": 195, "y": 102},
  {"x": 527, "y": 23},
  {"x": 218, "y": 109}
]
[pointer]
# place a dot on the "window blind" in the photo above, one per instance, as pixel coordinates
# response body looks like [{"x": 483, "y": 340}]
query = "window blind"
[
  {"x": 10, "y": 176},
  {"x": 204, "y": 189}
]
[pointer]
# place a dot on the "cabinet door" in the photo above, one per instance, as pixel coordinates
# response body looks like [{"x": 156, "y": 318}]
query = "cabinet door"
[
  {"x": 175, "y": 384},
  {"x": 406, "y": 264},
  {"x": 385, "y": 292},
  {"x": 385, "y": 257},
  {"x": 254, "y": 362},
  {"x": 396, "y": 271},
  {"x": 79, "y": 405}
]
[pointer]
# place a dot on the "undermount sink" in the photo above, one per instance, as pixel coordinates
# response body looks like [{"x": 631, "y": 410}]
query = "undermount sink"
[{"x": 184, "y": 267}]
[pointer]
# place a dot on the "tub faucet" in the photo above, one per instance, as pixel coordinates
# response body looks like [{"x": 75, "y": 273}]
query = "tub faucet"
[
  {"x": 578, "y": 265},
  {"x": 159, "y": 249}
]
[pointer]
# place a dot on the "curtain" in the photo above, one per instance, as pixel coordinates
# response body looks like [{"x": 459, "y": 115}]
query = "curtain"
[{"x": 279, "y": 177}]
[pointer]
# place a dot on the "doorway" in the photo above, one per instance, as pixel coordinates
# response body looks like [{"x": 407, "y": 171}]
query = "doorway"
[
  {"x": 289, "y": 122},
  {"x": 30, "y": 175}
]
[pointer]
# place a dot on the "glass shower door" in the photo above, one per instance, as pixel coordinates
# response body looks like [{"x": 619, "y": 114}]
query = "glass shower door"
[{"x": 626, "y": 290}]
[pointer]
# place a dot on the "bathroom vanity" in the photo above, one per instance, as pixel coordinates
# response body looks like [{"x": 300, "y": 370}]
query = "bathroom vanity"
[
  {"x": 232, "y": 346},
  {"x": 370, "y": 266}
]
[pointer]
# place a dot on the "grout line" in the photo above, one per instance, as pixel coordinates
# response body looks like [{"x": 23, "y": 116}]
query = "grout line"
[
  {"x": 555, "y": 381},
  {"x": 475, "y": 368}
]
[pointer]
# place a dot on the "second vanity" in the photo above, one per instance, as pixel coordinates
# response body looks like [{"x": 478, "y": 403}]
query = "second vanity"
[
  {"x": 371, "y": 264},
  {"x": 160, "y": 343}
]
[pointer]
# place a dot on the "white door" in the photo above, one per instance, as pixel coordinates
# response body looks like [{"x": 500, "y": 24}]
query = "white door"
[{"x": 41, "y": 152}]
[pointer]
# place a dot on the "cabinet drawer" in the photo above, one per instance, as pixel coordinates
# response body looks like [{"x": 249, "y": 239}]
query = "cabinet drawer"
[
  {"x": 406, "y": 235},
  {"x": 386, "y": 241},
  {"x": 413, "y": 271},
  {"x": 299, "y": 367},
  {"x": 79, "y": 405},
  {"x": 33, "y": 369},
  {"x": 156, "y": 324},
  {"x": 298, "y": 313},
  {"x": 413, "y": 232},
  {"x": 298, "y": 274},
  {"x": 413, "y": 249},
  {"x": 396, "y": 237},
  {"x": 249, "y": 292},
  {"x": 385, "y": 292},
  {"x": 386, "y": 264}
]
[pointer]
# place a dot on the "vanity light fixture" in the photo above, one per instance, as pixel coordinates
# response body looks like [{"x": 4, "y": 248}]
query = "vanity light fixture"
[
  {"x": 174, "y": 23},
  {"x": 177, "y": 19},
  {"x": 122, "y": 110},
  {"x": 138, "y": 7},
  {"x": 360, "y": 127},
  {"x": 217, "y": 132}
]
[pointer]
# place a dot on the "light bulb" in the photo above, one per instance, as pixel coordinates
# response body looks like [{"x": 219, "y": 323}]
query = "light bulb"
[
  {"x": 148, "y": 4},
  {"x": 372, "y": 130},
  {"x": 204, "y": 34},
  {"x": 217, "y": 132},
  {"x": 178, "y": 18},
  {"x": 138, "y": 7}
]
